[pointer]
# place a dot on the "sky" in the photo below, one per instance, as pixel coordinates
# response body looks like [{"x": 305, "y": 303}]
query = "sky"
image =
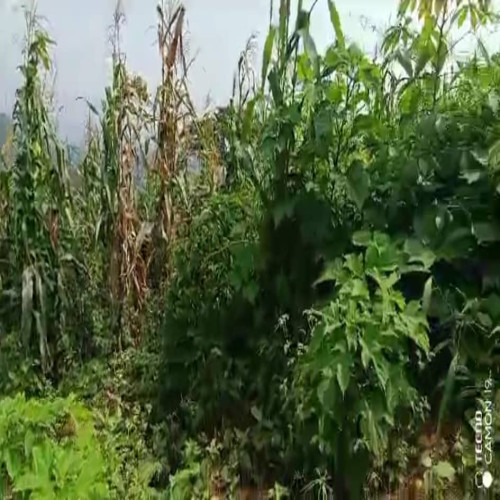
[{"x": 217, "y": 32}]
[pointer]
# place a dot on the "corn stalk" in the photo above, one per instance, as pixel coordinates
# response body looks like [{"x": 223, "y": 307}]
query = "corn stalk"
[
  {"x": 119, "y": 226},
  {"x": 173, "y": 109},
  {"x": 38, "y": 214}
]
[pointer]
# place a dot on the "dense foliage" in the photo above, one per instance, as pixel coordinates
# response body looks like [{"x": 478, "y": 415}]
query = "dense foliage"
[{"x": 295, "y": 296}]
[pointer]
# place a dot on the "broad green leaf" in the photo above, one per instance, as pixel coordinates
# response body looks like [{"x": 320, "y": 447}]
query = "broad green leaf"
[
  {"x": 274, "y": 83},
  {"x": 406, "y": 63},
  {"x": 484, "y": 53},
  {"x": 359, "y": 184},
  {"x": 448, "y": 391},
  {"x": 493, "y": 102},
  {"x": 256, "y": 413},
  {"x": 12, "y": 461},
  {"x": 485, "y": 320},
  {"x": 268, "y": 50},
  {"x": 424, "y": 56},
  {"x": 403, "y": 6},
  {"x": 323, "y": 124},
  {"x": 419, "y": 253},
  {"x": 148, "y": 469},
  {"x": 409, "y": 173},
  {"x": 444, "y": 470},
  {"x": 381, "y": 368},
  {"x": 305, "y": 70},
  {"x": 42, "y": 459},
  {"x": 369, "y": 348},
  {"x": 371, "y": 430},
  {"x": 250, "y": 291},
  {"x": 310, "y": 48},
  {"x": 472, "y": 176},
  {"x": 359, "y": 288},
  {"x": 354, "y": 263},
  {"x": 426, "y": 298},
  {"x": 486, "y": 232},
  {"x": 462, "y": 16},
  {"x": 327, "y": 392},
  {"x": 330, "y": 273},
  {"x": 494, "y": 154},
  {"x": 344, "y": 372},
  {"x": 249, "y": 118},
  {"x": 283, "y": 210},
  {"x": 29, "y": 441},
  {"x": 337, "y": 26},
  {"x": 30, "y": 482},
  {"x": 27, "y": 303},
  {"x": 362, "y": 238}
]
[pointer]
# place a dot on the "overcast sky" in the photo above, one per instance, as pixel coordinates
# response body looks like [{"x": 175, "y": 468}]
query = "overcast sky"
[{"x": 218, "y": 31}]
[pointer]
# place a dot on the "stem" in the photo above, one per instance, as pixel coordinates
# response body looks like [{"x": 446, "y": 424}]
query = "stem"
[
  {"x": 436, "y": 67},
  {"x": 343, "y": 124}
]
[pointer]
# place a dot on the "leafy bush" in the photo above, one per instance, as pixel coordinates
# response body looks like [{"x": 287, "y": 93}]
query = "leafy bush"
[
  {"x": 121, "y": 407},
  {"x": 213, "y": 281},
  {"x": 354, "y": 379},
  {"x": 49, "y": 449}
]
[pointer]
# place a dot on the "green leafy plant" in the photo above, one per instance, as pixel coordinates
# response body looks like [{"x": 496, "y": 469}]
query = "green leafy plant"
[
  {"x": 216, "y": 253},
  {"x": 49, "y": 449},
  {"x": 353, "y": 379},
  {"x": 38, "y": 227}
]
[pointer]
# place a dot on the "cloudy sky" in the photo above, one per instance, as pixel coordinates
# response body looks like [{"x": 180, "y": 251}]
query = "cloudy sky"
[{"x": 218, "y": 31}]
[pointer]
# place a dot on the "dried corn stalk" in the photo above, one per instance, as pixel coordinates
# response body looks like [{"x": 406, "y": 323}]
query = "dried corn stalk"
[
  {"x": 173, "y": 111},
  {"x": 124, "y": 118}
]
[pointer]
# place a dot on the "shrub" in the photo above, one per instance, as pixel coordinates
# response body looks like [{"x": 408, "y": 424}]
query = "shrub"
[
  {"x": 213, "y": 281},
  {"x": 353, "y": 380},
  {"x": 49, "y": 449}
]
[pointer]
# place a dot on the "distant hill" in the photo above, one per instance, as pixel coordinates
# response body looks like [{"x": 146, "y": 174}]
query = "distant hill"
[{"x": 5, "y": 126}]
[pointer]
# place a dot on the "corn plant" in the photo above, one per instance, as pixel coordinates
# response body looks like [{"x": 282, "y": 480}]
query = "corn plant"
[
  {"x": 119, "y": 231},
  {"x": 172, "y": 111},
  {"x": 38, "y": 214}
]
